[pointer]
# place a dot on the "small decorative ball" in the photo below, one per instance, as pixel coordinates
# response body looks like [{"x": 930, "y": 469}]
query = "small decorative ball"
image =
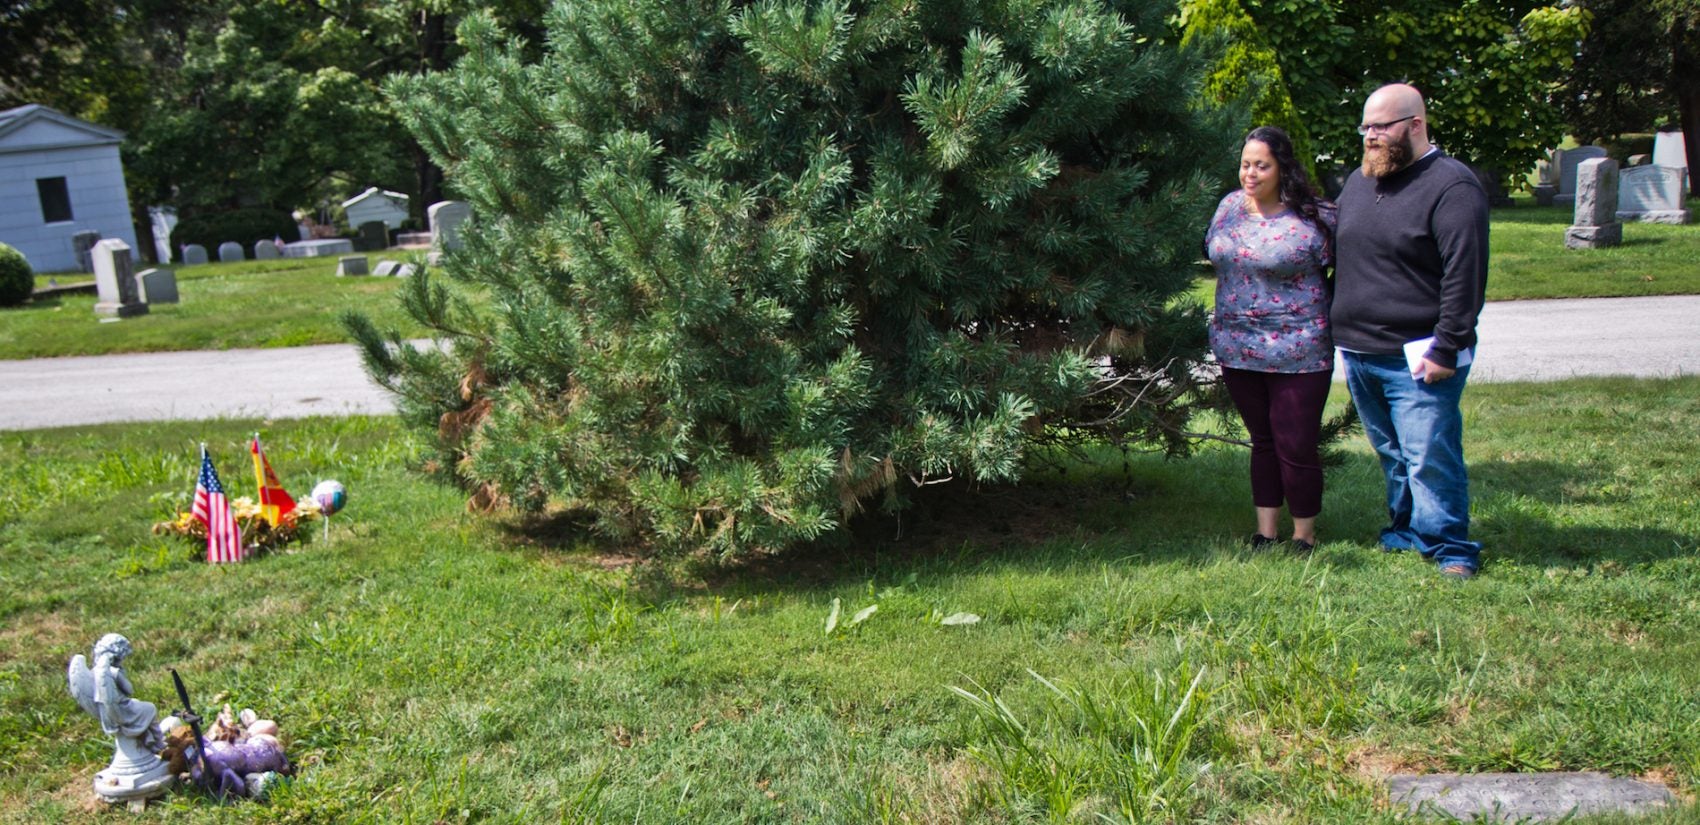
[{"x": 330, "y": 496}]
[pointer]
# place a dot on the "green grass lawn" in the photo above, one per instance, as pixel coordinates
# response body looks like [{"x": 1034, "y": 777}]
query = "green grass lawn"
[
  {"x": 428, "y": 665},
  {"x": 278, "y": 303},
  {"x": 1527, "y": 258}
]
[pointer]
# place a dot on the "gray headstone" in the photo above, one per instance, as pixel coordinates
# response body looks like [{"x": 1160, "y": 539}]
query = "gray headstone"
[
  {"x": 413, "y": 239},
  {"x": 385, "y": 269},
  {"x": 1569, "y": 160},
  {"x": 355, "y": 265},
  {"x": 1639, "y": 160},
  {"x": 318, "y": 248},
  {"x": 1544, "y": 194},
  {"x": 1545, "y": 171},
  {"x": 231, "y": 251},
  {"x": 157, "y": 286},
  {"x": 1596, "y": 192},
  {"x": 1652, "y": 194},
  {"x": 266, "y": 250},
  {"x": 1524, "y": 797},
  {"x": 194, "y": 254},
  {"x": 404, "y": 270},
  {"x": 1670, "y": 150},
  {"x": 81, "y": 243},
  {"x": 115, "y": 280},
  {"x": 373, "y": 236},
  {"x": 446, "y": 218}
]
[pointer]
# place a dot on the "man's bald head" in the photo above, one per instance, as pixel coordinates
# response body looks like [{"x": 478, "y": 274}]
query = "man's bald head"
[
  {"x": 1395, "y": 129},
  {"x": 1396, "y": 97}
]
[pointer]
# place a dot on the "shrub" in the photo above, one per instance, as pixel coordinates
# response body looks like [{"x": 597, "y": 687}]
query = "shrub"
[
  {"x": 17, "y": 279},
  {"x": 244, "y": 226},
  {"x": 752, "y": 272}
]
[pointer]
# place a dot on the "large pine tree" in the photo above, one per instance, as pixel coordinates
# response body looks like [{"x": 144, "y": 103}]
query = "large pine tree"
[{"x": 756, "y": 266}]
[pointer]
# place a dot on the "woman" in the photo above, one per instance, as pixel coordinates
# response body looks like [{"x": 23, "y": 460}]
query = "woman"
[{"x": 1271, "y": 243}]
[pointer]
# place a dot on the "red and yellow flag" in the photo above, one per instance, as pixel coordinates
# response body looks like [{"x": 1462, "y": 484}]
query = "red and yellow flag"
[{"x": 274, "y": 502}]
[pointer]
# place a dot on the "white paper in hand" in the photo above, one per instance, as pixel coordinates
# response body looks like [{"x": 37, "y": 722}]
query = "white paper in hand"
[{"x": 1415, "y": 350}]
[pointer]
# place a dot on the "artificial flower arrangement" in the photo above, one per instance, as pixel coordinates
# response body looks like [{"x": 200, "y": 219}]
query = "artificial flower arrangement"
[{"x": 258, "y": 535}]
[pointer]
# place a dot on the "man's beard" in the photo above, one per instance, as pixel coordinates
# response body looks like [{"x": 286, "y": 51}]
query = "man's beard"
[{"x": 1387, "y": 158}]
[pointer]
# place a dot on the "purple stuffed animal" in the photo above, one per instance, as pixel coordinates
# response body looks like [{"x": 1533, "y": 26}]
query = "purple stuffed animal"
[{"x": 231, "y": 761}]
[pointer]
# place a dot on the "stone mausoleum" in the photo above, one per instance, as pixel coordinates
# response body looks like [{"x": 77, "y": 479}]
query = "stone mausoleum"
[{"x": 59, "y": 176}]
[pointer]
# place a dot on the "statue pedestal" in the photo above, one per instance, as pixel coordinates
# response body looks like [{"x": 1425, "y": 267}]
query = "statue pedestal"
[{"x": 134, "y": 776}]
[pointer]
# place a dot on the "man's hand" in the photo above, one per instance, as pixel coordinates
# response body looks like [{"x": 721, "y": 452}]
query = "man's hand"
[{"x": 1433, "y": 373}]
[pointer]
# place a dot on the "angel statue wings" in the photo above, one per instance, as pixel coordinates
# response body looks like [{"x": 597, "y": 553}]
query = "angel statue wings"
[{"x": 105, "y": 692}]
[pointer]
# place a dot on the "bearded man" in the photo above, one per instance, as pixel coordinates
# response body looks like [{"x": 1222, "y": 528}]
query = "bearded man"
[{"x": 1411, "y": 270}]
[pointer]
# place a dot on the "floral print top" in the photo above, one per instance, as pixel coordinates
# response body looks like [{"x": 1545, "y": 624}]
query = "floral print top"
[{"x": 1272, "y": 292}]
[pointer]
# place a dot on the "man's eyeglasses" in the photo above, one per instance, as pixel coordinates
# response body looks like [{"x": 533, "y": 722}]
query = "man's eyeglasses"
[{"x": 1366, "y": 128}]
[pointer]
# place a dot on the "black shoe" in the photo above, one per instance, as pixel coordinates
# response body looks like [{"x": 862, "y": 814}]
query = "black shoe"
[
  {"x": 1258, "y": 541},
  {"x": 1301, "y": 546}
]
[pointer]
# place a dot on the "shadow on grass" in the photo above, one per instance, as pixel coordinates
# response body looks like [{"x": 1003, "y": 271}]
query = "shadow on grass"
[{"x": 1186, "y": 512}]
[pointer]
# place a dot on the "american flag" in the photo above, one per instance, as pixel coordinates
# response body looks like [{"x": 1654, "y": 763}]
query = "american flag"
[{"x": 224, "y": 538}]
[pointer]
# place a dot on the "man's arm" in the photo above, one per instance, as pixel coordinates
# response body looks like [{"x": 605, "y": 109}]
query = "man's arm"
[{"x": 1460, "y": 224}]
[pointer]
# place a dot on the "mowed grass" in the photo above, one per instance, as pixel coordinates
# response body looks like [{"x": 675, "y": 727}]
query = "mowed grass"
[
  {"x": 280, "y": 303},
  {"x": 1131, "y": 662},
  {"x": 1527, "y": 258}
]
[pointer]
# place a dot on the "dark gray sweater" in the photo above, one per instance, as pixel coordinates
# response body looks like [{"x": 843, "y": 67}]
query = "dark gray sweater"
[{"x": 1411, "y": 255}]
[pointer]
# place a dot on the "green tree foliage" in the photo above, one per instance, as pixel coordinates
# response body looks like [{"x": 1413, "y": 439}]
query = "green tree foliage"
[
  {"x": 1246, "y": 67},
  {"x": 1639, "y": 66},
  {"x": 755, "y": 266},
  {"x": 228, "y": 103},
  {"x": 1487, "y": 69}
]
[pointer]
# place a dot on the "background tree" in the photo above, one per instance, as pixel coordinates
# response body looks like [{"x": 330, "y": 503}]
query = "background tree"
[
  {"x": 1639, "y": 66},
  {"x": 226, "y": 103},
  {"x": 1487, "y": 69},
  {"x": 754, "y": 266},
  {"x": 1246, "y": 68}
]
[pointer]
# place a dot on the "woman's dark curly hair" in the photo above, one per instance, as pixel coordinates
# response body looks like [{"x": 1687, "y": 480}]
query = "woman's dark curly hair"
[{"x": 1296, "y": 190}]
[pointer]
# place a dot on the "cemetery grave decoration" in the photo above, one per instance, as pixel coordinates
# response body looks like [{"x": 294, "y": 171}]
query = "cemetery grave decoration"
[
  {"x": 329, "y": 497},
  {"x": 234, "y": 529},
  {"x": 136, "y": 773},
  {"x": 240, "y": 755}
]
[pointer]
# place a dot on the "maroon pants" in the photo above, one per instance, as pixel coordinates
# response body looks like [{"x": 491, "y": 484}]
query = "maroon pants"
[{"x": 1283, "y": 415}]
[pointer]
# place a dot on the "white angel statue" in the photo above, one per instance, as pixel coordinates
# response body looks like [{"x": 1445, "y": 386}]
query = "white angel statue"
[{"x": 136, "y": 772}]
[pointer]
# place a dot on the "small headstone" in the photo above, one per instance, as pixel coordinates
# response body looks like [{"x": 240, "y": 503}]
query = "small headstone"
[
  {"x": 194, "y": 254},
  {"x": 1596, "y": 223},
  {"x": 157, "y": 286},
  {"x": 81, "y": 243},
  {"x": 355, "y": 265},
  {"x": 266, "y": 250},
  {"x": 115, "y": 280},
  {"x": 404, "y": 271},
  {"x": 321, "y": 247},
  {"x": 1524, "y": 797},
  {"x": 385, "y": 269},
  {"x": 372, "y": 236},
  {"x": 1569, "y": 160},
  {"x": 1652, "y": 194},
  {"x": 446, "y": 218},
  {"x": 231, "y": 251},
  {"x": 1544, "y": 194},
  {"x": 1545, "y": 171},
  {"x": 1640, "y": 160},
  {"x": 413, "y": 239}
]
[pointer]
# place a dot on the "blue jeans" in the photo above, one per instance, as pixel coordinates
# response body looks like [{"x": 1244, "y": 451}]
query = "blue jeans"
[{"x": 1417, "y": 431}]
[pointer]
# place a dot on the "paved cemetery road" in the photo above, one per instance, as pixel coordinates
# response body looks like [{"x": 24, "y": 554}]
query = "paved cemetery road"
[{"x": 1520, "y": 341}]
